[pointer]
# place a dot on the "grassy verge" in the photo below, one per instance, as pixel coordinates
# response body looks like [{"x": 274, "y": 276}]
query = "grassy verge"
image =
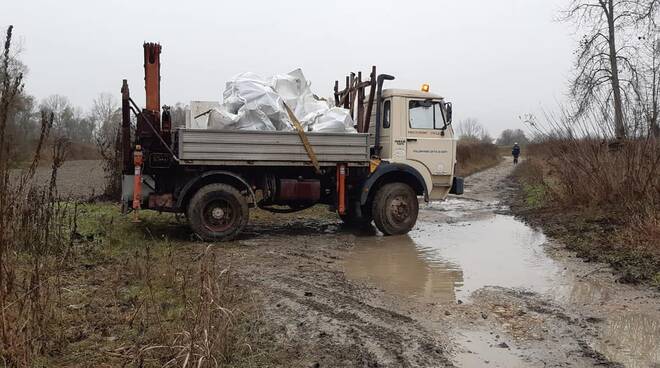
[
  {"x": 475, "y": 156},
  {"x": 608, "y": 233},
  {"x": 143, "y": 295}
]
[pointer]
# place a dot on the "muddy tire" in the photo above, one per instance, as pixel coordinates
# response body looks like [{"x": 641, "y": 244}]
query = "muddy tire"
[
  {"x": 395, "y": 209},
  {"x": 351, "y": 219},
  {"x": 218, "y": 212}
]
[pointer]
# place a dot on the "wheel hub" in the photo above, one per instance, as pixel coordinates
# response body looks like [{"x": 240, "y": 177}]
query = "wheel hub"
[
  {"x": 218, "y": 216},
  {"x": 399, "y": 209},
  {"x": 217, "y": 213}
]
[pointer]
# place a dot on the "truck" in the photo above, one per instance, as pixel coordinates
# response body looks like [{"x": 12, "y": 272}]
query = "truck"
[{"x": 404, "y": 150}]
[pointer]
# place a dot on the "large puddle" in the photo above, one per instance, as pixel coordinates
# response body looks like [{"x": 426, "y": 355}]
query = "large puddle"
[
  {"x": 460, "y": 246},
  {"x": 448, "y": 261}
]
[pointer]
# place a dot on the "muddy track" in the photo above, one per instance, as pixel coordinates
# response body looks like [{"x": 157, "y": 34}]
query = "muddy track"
[
  {"x": 329, "y": 321},
  {"x": 397, "y": 308}
]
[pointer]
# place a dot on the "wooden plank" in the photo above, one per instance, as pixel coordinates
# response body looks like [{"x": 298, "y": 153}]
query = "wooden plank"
[{"x": 303, "y": 138}]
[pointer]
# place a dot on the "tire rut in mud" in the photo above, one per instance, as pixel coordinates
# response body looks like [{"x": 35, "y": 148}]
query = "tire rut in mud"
[{"x": 330, "y": 322}]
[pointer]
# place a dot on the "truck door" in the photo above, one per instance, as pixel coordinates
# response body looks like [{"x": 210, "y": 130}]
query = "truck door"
[{"x": 429, "y": 143}]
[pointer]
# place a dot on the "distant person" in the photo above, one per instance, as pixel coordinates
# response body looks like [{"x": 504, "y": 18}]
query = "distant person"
[{"x": 515, "y": 152}]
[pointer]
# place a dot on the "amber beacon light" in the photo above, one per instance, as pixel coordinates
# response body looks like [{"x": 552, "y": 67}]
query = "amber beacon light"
[{"x": 425, "y": 87}]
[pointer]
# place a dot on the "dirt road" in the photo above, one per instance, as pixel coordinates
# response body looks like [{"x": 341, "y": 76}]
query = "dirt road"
[{"x": 470, "y": 286}]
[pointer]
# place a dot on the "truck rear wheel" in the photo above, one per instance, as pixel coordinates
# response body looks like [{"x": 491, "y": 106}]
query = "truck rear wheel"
[
  {"x": 218, "y": 212},
  {"x": 395, "y": 208}
]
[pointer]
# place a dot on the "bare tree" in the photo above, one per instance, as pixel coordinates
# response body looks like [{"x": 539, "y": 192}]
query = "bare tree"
[
  {"x": 647, "y": 85},
  {"x": 104, "y": 114},
  {"x": 604, "y": 65},
  {"x": 178, "y": 113},
  {"x": 107, "y": 118},
  {"x": 511, "y": 136},
  {"x": 486, "y": 138},
  {"x": 11, "y": 86},
  {"x": 470, "y": 129},
  {"x": 69, "y": 120}
]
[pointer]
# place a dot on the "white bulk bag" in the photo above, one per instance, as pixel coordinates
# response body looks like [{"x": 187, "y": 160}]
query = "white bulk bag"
[
  {"x": 253, "y": 103},
  {"x": 257, "y": 105},
  {"x": 335, "y": 120}
]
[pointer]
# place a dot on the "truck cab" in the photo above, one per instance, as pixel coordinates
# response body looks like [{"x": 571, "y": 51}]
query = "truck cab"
[
  {"x": 416, "y": 131},
  {"x": 413, "y": 145}
]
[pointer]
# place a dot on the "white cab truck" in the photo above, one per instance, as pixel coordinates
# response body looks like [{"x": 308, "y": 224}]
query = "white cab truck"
[{"x": 404, "y": 151}]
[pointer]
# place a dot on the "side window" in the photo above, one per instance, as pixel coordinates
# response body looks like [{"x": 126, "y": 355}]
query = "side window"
[
  {"x": 421, "y": 115},
  {"x": 387, "y": 113},
  {"x": 439, "y": 116}
]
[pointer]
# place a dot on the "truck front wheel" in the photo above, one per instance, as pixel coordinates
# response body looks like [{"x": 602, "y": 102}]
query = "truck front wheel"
[
  {"x": 395, "y": 208},
  {"x": 218, "y": 212}
]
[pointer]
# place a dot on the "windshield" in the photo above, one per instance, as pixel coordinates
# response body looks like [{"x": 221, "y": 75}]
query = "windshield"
[{"x": 426, "y": 114}]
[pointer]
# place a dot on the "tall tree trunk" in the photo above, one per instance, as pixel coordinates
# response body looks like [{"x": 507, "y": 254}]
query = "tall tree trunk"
[
  {"x": 653, "y": 119},
  {"x": 619, "y": 127}
]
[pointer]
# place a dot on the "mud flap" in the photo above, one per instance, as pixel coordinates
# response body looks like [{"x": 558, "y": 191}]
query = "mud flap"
[{"x": 457, "y": 186}]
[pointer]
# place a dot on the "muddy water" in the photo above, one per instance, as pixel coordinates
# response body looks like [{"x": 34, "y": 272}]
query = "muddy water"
[
  {"x": 443, "y": 262},
  {"x": 460, "y": 246}
]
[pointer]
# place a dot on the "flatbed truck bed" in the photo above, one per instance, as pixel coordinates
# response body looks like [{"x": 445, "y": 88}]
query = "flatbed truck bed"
[{"x": 269, "y": 148}]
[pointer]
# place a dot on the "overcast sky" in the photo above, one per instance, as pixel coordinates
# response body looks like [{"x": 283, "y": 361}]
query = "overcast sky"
[{"x": 495, "y": 60}]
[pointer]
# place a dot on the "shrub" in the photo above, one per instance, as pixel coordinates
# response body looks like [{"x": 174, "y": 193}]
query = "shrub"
[
  {"x": 591, "y": 172},
  {"x": 473, "y": 156}
]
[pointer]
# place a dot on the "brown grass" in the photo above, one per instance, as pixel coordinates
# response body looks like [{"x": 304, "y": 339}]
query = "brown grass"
[
  {"x": 101, "y": 291},
  {"x": 591, "y": 172},
  {"x": 473, "y": 156},
  {"x": 603, "y": 199}
]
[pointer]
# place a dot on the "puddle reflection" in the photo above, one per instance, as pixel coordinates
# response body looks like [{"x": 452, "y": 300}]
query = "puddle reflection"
[
  {"x": 397, "y": 265},
  {"x": 448, "y": 261}
]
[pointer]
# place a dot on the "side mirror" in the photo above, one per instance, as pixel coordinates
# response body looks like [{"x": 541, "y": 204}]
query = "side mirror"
[{"x": 448, "y": 107}]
